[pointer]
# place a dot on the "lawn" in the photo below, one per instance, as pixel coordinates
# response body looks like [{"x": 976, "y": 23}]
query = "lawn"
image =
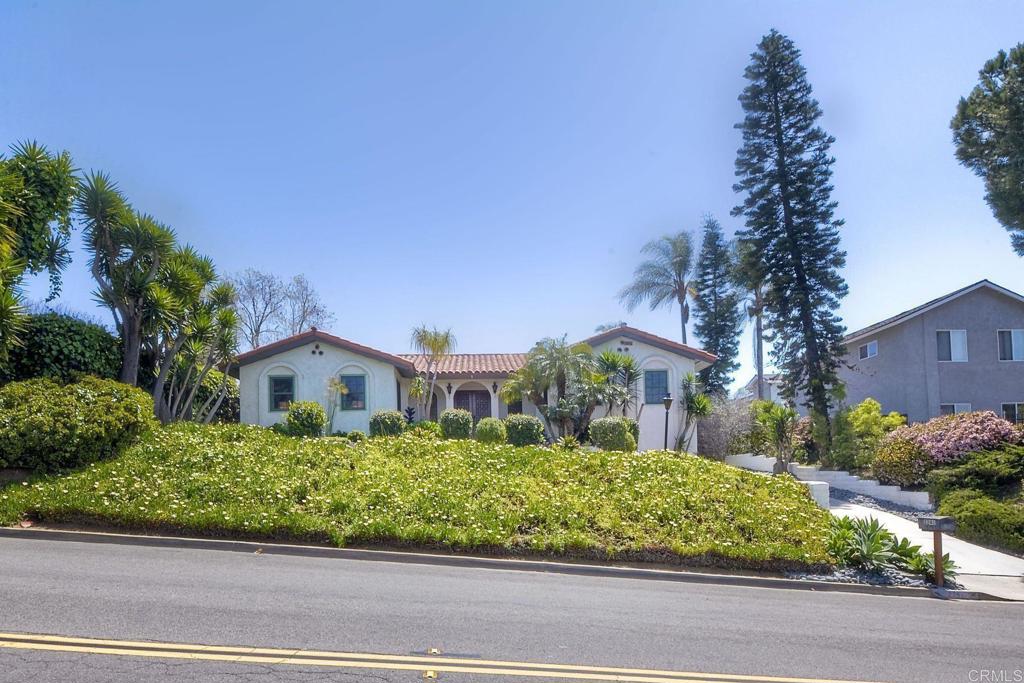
[{"x": 248, "y": 482}]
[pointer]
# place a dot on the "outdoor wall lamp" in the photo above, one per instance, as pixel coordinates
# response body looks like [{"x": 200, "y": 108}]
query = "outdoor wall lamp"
[{"x": 668, "y": 406}]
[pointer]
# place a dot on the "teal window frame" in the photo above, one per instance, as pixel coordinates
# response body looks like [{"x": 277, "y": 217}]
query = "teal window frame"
[
  {"x": 344, "y": 398},
  {"x": 648, "y": 398},
  {"x": 270, "y": 392}
]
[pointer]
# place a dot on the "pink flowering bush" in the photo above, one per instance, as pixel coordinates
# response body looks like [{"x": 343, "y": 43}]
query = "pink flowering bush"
[{"x": 940, "y": 441}]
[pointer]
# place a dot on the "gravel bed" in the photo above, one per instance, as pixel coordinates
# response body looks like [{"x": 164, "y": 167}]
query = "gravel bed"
[
  {"x": 875, "y": 504},
  {"x": 882, "y": 577}
]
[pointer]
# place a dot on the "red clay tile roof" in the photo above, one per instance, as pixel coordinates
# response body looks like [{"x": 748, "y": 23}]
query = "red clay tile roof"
[
  {"x": 653, "y": 340},
  {"x": 472, "y": 364},
  {"x": 404, "y": 366},
  {"x": 463, "y": 365}
]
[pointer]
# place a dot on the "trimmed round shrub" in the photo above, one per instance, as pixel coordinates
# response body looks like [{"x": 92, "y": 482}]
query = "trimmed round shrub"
[
  {"x": 612, "y": 434},
  {"x": 47, "y": 426},
  {"x": 357, "y": 436},
  {"x": 985, "y": 520},
  {"x": 902, "y": 462},
  {"x": 387, "y": 423},
  {"x": 425, "y": 428},
  {"x": 456, "y": 424},
  {"x": 305, "y": 418},
  {"x": 62, "y": 347},
  {"x": 491, "y": 430},
  {"x": 524, "y": 430}
]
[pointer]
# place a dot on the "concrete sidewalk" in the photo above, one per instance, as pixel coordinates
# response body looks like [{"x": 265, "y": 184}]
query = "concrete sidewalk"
[{"x": 978, "y": 568}]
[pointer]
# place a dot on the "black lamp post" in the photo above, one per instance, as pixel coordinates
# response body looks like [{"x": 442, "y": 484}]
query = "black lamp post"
[{"x": 668, "y": 406}]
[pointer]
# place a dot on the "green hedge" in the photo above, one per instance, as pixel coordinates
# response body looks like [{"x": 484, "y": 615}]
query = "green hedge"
[
  {"x": 305, "y": 418},
  {"x": 387, "y": 423},
  {"x": 996, "y": 473},
  {"x": 612, "y": 434},
  {"x": 62, "y": 347},
  {"x": 491, "y": 430},
  {"x": 47, "y": 426},
  {"x": 986, "y": 520},
  {"x": 524, "y": 430},
  {"x": 456, "y": 424}
]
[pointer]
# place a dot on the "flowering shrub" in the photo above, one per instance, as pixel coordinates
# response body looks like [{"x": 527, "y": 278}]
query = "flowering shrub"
[
  {"x": 949, "y": 438},
  {"x": 242, "y": 480},
  {"x": 46, "y": 426},
  {"x": 902, "y": 462}
]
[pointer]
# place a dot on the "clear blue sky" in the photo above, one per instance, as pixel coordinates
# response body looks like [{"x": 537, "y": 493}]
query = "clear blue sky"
[{"x": 495, "y": 167}]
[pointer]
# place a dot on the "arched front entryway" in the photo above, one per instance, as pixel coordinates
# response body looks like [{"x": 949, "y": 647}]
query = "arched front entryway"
[{"x": 474, "y": 397}]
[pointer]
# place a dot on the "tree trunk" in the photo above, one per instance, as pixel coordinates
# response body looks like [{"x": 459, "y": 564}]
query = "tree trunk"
[
  {"x": 759, "y": 352},
  {"x": 683, "y": 314},
  {"x": 132, "y": 346}
]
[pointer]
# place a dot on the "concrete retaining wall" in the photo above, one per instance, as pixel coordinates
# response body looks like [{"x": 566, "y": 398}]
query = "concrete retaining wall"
[{"x": 845, "y": 481}]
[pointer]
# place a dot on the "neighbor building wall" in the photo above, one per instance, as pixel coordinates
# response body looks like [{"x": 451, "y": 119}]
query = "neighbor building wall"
[{"x": 907, "y": 377}]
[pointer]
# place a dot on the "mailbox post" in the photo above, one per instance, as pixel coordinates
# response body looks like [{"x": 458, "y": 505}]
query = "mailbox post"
[{"x": 937, "y": 524}]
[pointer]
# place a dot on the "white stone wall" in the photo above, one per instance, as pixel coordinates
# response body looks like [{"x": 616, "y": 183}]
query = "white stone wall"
[{"x": 311, "y": 370}]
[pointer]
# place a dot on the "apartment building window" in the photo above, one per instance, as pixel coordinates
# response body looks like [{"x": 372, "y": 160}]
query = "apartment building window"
[
  {"x": 1014, "y": 412},
  {"x": 1011, "y": 344},
  {"x": 952, "y": 345},
  {"x": 869, "y": 350},
  {"x": 954, "y": 408}
]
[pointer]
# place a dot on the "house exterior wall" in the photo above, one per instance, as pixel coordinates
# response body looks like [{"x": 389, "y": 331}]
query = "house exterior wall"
[
  {"x": 313, "y": 364},
  {"x": 651, "y": 416},
  {"x": 311, "y": 370},
  {"x": 906, "y": 375}
]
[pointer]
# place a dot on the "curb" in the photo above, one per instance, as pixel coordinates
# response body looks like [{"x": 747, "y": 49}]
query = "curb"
[{"x": 477, "y": 562}]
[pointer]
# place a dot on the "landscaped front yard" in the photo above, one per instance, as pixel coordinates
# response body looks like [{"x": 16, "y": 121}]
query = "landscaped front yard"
[{"x": 246, "y": 481}]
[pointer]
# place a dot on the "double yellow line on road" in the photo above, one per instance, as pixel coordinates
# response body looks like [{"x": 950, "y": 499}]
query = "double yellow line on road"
[{"x": 357, "y": 660}]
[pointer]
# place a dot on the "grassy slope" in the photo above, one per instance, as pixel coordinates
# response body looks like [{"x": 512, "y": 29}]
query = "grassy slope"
[{"x": 247, "y": 481}]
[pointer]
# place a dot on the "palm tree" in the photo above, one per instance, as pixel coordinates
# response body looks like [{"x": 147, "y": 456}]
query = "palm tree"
[
  {"x": 777, "y": 423},
  {"x": 435, "y": 344},
  {"x": 665, "y": 277},
  {"x": 696, "y": 407},
  {"x": 748, "y": 278},
  {"x": 126, "y": 251}
]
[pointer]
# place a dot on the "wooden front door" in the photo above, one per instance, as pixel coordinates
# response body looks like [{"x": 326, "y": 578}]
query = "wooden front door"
[{"x": 477, "y": 402}]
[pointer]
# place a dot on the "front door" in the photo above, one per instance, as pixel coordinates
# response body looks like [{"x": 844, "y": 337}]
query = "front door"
[{"x": 477, "y": 402}]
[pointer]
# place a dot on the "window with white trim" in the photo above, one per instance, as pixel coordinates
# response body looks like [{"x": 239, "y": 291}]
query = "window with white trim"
[
  {"x": 952, "y": 346},
  {"x": 869, "y": 350},
  {"x": 954, "y": 408},
  {"x": 1014, "y": 412},
  {"x": 1011, "y": 344}
]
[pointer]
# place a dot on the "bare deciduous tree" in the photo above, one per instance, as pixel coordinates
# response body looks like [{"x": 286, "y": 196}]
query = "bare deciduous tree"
[
  {"x": 261, "y": 298},
  {"x": 303, "y": 308}
]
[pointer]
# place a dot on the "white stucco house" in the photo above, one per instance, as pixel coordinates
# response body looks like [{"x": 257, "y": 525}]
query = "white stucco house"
[{"x": 298, "y": 369}]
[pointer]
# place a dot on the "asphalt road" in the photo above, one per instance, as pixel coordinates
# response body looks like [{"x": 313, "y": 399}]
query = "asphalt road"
[{"x": 226, "y": 598}]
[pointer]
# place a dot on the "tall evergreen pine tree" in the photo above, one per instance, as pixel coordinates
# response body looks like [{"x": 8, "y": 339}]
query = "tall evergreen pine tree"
[
  {"x": 784, "y": 169},
  {"x": 717, "y": 304}
]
